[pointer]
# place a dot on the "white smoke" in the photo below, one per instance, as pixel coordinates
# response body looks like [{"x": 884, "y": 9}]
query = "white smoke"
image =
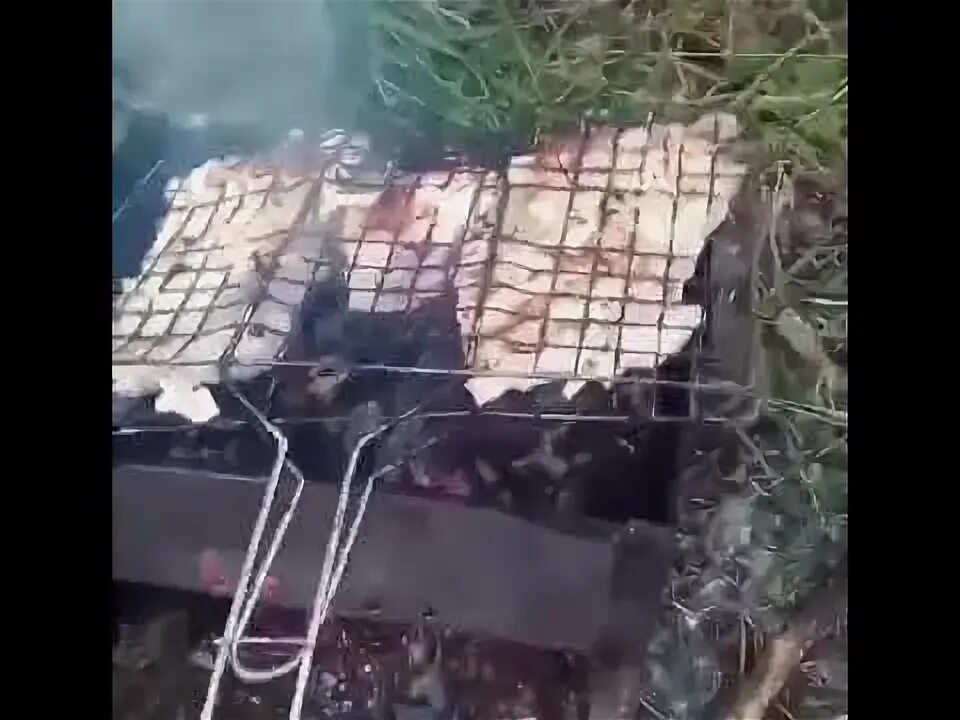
[{"x": 268, "y": 65}]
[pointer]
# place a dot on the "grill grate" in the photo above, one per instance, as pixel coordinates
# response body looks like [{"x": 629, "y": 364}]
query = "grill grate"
[
  {"x": 229, "y": 287},
  {"x": 592, "y": 292}
]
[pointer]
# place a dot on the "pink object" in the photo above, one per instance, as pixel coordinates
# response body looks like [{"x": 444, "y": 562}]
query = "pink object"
[
  {"x": 213, "y": 575},
  {"x": 216, "y": 582},
  {"x": 455, "y": 484}
]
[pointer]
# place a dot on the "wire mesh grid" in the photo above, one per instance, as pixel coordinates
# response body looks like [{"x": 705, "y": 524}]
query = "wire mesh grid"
[
  {"x": 580, "y": 300},
  {"x": 569, "y": 265},
  {"x": 200, "y": 305}
]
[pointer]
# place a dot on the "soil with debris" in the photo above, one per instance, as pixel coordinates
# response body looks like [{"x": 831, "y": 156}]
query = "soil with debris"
[{"x": 163, "y": 651}]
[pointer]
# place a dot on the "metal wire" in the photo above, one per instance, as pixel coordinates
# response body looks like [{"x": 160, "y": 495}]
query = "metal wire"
[
  {"x": 240, "y": 599},
  {"x": 336, "y": 420},
  {"x": 334, "y": 564},
  {"x": 330, "y": 577},
  {"x": 144, "y": 355},
  {"x": 137, "y": 189},
  {"x": 344, "y": 530},
  {"x": 144, "y": 351}
]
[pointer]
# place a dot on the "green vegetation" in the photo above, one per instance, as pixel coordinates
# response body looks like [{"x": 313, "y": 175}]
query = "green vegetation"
[{"x": 497, "y": 72}]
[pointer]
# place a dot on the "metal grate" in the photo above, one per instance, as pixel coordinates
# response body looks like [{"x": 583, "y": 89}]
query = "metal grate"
[
  {"x": 229, "y": 282},
  {"x": 203, "y": 312},
  {"x": 594, "y": 292}
]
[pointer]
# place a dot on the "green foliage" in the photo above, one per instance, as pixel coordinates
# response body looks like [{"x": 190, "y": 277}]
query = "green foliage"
[{"x": 498, "y": 72}]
